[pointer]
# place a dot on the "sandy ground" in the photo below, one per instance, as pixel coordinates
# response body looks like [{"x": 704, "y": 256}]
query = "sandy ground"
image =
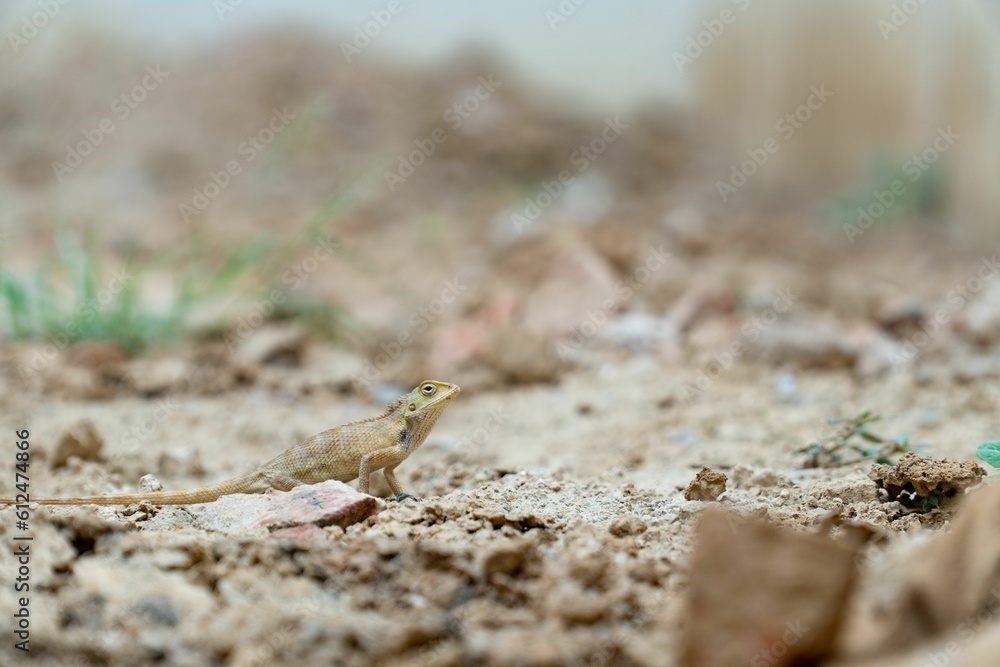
[{"x": 552, "y": 526}]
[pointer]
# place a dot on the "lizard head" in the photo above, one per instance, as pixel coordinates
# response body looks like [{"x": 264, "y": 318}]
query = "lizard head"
[
  {"x": 421, "y": 409},
  {"x": 430, "y": 396}
]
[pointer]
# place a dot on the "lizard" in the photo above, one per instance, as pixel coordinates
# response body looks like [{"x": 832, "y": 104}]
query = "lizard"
[{"x": 344, "y": 453}]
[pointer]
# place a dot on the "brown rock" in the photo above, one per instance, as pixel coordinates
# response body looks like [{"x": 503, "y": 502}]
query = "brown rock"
[
  {"x": 902, "y": 315},
  {"x": 981, "y": 317},
  {"x": 951, "y": 587},
  {"x": 700, "y": 303},
  {"x": 760, "y": 593},
  {"x": 627, "y": 524},
  {"x": 155, "y": 376},
  {"x": 708, "y": 484},
  {"x": 504, "y": 559},
  {"x": 808, "y": 345},
  {"x": 95, "y": 354},
  {"x": 283, "y": 344},
  {"x": 82, "y": 440},
  {"x": 522, "y": 356},
  {"x": 576, "y": 280},
  {"x": 923, "y": 481}
]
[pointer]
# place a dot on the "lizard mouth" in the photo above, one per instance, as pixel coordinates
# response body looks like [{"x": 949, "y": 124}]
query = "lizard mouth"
[{"x": 451, "y": 392}]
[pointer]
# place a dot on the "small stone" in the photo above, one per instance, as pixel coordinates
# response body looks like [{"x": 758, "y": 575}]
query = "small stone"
[
  {"x": 149, "y": 484},
  {"x": 981, "y": 318},
  {"x": 81, "y": 440},
  {"x": 785, "y": 388},
  {"x": 156, "y": 376},
  {"x": 504, "y": 559},
  {"x": 95, "y": 354},
  {"x": 328, "y": 504},
  {"x": 627, "y": 524},
  {"x": 880, "y": 353},
  {"x": 806, "y": 344},
  {"x": 641, "y": 331},
  {"x": 915, "y": 480},
  {"x": 708, "y": 484},
  {"x": 901, "y": 315},
  {"x": 522, "y": 356},
  {"x": 283, "y": 344}
]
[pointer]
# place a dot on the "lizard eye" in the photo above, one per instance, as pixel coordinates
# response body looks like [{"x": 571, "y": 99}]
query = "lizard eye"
[{"x": 428, "y": 389}]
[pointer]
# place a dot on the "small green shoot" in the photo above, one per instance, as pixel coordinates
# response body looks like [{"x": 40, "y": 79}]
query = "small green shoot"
[
  {"x": 932, "y": 501},
  {"x": 854, "y": 442}
]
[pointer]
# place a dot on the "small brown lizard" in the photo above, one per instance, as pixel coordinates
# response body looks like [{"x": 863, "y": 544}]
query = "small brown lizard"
[{"x": 344, "y": 453}]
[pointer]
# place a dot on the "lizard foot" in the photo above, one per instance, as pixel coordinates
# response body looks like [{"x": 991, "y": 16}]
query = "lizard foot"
[{"x": 404, "y": 496}]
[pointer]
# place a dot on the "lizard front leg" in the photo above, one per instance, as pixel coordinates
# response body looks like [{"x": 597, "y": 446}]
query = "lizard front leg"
[
  {"x": 397, "y": 488},
  {"x": 387, "y": 458}
]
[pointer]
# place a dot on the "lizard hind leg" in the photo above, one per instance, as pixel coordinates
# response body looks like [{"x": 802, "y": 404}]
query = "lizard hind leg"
[{"x": 281, "y": 482}]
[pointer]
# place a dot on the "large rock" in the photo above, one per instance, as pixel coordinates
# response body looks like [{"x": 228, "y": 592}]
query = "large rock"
[
  {"x": 762, "y": 594},
  {"x": 298, "y": 513},
  {"x": 577, "y": 280},
  {"x": 81, "y": 440}
]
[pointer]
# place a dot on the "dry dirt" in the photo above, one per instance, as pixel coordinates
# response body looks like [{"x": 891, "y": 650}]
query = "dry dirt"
[{"x": 552, "y": 525}]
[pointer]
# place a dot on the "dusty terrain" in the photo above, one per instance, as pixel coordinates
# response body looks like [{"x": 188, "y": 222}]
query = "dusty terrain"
[{"x": 554, "y": 524}]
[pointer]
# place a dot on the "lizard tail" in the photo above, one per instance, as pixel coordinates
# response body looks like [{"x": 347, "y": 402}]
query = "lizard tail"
[{"x": 204, "y": 494}]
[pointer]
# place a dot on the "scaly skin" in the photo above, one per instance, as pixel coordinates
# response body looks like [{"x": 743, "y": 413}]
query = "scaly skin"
[{"x": 344, "y": 453}]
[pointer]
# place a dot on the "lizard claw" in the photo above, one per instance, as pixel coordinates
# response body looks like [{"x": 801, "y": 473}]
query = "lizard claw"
[{"x": 404, "y": 496}]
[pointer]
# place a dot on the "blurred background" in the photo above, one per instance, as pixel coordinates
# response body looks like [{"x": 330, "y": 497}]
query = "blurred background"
[{"x": 532, "y": 151}]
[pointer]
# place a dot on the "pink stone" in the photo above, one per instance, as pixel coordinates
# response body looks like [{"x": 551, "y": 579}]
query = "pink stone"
[{"x": 325, "y": 504}]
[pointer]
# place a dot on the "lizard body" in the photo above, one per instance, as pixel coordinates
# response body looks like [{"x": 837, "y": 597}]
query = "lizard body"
[{"x": 343, "y": 453}]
